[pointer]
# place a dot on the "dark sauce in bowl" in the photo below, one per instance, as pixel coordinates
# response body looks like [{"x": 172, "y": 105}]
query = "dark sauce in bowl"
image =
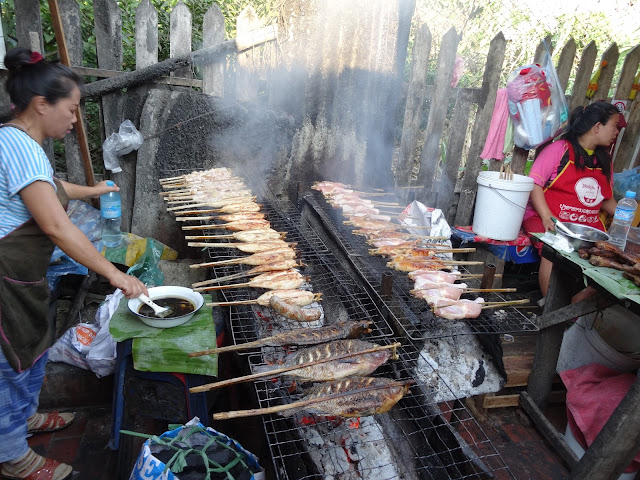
[{"x": 178, "y": 306}]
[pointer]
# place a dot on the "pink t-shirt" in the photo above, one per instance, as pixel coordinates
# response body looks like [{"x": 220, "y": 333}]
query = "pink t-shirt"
[{"x": 545, "y": 169}]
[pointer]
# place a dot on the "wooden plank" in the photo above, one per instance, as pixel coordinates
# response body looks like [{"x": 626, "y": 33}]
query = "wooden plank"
[
  {"x": 628, "y": 144},
  {"x": 627, "y": 74},
  {"x": 549, "y": 339},
  {"x": 541, "y": 50},
  {"x": 246, "y": 77},
  {"x": 583, "y": 75},
  {"x": 430, "y": 157},
  {"x": 545, "y": 427},
  {"x": 70, "y": 16},
  {"x": 146, "y": 35},
  {"x": 213, "y": 34},
  {"x": 79, "y": 127},
  {"x": 592, "y": 304},
  {"x": 513, "y": 400},
  {"x": 616, "y": 444},
  {"x": 519, "y": 160},
  {"x": 180, "y": 36},
  {"x": 565, "y": 63},
  {"x": 202, "y": 57},
  {"x": 416, "y": 94},
  {"x": 490, "y": 82},
  {"x": 455, "y": 146},
  {"x": 611, "y": 56},
  {"x": 102, "y": 73}
]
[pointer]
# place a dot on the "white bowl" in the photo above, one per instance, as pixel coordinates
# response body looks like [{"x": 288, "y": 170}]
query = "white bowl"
[{"x": 156, "y": 293}]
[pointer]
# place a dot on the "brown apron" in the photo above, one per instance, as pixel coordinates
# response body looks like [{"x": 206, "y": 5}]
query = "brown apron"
[{"x": 25, "y": 330}]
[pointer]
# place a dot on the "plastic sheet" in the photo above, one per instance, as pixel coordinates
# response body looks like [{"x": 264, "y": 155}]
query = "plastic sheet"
[
  {"x": 537, "y": 104},
  {"x": 125, "y": 141}
]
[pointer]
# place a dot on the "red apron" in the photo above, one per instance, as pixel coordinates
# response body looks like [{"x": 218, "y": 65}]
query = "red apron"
[{"x": 575, "y": 195}]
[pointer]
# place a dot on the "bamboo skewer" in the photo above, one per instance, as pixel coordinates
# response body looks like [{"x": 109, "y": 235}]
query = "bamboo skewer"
[
  {"x": 476, "y": 275},
  {"x": 245, "y": 247},
  {"x": 304, "y": 403},
  {"x": 504, "y": 304},
  {"x": 278, "y": 371},
  {"x": 215, "y": 237},
  {"x": 375, "y": 251},
  {"x": 478, "y": 290}
]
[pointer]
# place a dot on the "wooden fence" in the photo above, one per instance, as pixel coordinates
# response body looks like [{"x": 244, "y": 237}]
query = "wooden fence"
[{"x": 336, "y": 72}]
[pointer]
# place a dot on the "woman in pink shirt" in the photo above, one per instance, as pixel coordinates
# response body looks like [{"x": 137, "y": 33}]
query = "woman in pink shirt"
[{"x": 574, "y": 177}]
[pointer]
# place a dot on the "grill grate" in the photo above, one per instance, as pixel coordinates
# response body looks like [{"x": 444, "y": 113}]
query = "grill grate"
[
  {"x": 411, "y": 314},
  {"x": 343, "y": 297},
  {"x": 417, "y": 438}
]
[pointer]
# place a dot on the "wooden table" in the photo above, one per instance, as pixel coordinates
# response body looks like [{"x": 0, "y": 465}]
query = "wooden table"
[{"x": 619, "y": 440}]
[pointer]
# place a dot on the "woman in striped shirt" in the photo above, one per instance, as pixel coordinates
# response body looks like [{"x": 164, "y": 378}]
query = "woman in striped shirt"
[{"x": 45, "y": 98}]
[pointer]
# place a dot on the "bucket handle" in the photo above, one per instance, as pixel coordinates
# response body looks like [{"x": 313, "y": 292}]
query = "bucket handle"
[{"x": 505, "y": 198}]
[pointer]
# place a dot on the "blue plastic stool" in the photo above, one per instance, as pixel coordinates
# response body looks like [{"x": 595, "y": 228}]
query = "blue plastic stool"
[{"x": 196, "y": 403}]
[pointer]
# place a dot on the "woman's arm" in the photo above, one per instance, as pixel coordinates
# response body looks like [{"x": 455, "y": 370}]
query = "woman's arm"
[
  {"x": 540, "y": 204},
  {"x": 79, "y": 192},
  {"x": 44, "y": 206},
  {"x": 609, "y": 206}
]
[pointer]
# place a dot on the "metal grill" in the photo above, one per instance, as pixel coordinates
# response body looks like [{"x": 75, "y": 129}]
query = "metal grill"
[
  {"x": 343, "y": 297},
  {"x": 411, "y": 314},
  {"x": 416, "y": 439}
]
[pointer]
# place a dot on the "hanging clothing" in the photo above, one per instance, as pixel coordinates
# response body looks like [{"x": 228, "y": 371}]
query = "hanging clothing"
[{"x": 494, "y": 146}]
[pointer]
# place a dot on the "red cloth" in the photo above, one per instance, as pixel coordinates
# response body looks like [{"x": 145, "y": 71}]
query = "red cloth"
[
  {"x": 593, "y": 393},
  {"x": 522, "y": 240}
]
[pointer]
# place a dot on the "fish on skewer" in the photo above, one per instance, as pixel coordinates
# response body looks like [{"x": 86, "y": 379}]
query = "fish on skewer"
[
  {"x": 293, "y": 312},
  {"x": 242, "y": 225},
  {"x": 260, "y": 258},
  {"x": 258, "y": 269},
  {"x": 300, "y": 336},
  {"x": 371, "y": 395},
  {"x": 294, "y": 297},
  {"x": 231, "y": 217},
  {"x": 281, "y": 280},
  {"x": 358, "y": 365},
  {"x": 230, "y": 208},
  {"x": 245, "y": 247}
]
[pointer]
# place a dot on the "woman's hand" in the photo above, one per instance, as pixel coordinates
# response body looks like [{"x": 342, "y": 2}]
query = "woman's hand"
[
  {"x": 130, "y": 285},
  {"x": 548, "y": 224},
  {"x": 102, "y": 188}
]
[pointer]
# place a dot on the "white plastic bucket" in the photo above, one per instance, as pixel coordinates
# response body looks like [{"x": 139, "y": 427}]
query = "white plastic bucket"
[{"x": 500, "y": 205}]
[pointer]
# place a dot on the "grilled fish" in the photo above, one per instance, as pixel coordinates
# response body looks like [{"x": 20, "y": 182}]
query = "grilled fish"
[
  {"x": 384, "y": 394},
  {"x": 315, "y": 335},
  {"x": 359, "y": 365}
]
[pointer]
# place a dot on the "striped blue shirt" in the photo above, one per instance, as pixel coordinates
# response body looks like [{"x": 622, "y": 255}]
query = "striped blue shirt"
[{"x": 22, "y": 162}]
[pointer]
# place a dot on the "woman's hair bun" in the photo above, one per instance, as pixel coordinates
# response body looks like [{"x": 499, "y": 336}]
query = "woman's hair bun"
[{"x": 17, "y": 58}]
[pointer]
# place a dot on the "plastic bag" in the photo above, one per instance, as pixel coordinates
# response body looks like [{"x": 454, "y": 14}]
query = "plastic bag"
[
  {"x": 117, "y": 144},
  {"x": 179, "y": 451},
  {"x": 537, "y": 105},
  {"x": 626, "y": 180},
  {"x": 73, "y": 346}
]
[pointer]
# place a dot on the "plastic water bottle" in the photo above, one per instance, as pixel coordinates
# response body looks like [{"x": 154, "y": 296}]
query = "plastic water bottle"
[
  {"x": 110, "y": 217},
  {"x": 625, "y": 211}
]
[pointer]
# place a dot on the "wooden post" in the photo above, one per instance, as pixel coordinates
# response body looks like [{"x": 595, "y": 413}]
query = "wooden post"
[
  {"x": 414, "y": 105},
  {"x": 213, "y": 34},
  {"x": 180, "y": 38},
  {"x": 64, "y": 59},
  {"x": 583, "y": 75}
]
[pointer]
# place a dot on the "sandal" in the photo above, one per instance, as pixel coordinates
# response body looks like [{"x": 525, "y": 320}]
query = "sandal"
[
  {"x": 49, "y": 422},
  {"x": 50, "y": 470}
]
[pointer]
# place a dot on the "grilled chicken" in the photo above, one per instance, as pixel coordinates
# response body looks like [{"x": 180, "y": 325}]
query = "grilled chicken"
[
  {"x": 422, "y": 283},
  {"x": 434, "y": 276},
  {"x": 460, "y": 309},
  {"x": 362, "y": 364},
  {"x": 433, "y": 294},
  {"x": 410, "y": 264},
  {"x": 234, "y": 217},
  {"x": 382, "y": 395},
  {"x": 327, "y": 187},
  {"x": 293, "y": 297}
]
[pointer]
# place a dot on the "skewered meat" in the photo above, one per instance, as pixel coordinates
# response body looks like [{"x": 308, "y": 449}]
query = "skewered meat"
[
  {"x": 245, "y": 247},
  {"x": 327, "y": 187},
  {"x": 363, "y": 364},
  {"x": 389, "y": 244},
  {"x": 430, "y": 275},
  {"x": 268, "y": 267},
  {"x": 257, "y": 235},
  {"x": 631, "y": 258},
  {"x": 433, "y": 294},
  {"x": 260, "y": 258},
  {"x": 245, "y": 225},
  {"x": 369, "y": 216},
  {"x": 634, "y": 278},
  {"x": 285, "y": 280},
  {"x": 584, "y": 253},
  {"x": 600, "y": 252},
  {"x": 294, "y": 312},
  {"x": 219, "y": 195},
  {"x": 234, "y": 217},
  {"x": 410, "y": 264},
  {"x": 366, "y": 224},
  {"x": 598, "y": 261},
  {"x": 422, "y": 283},
  {"x": 315, "y": 335},
  {"x": 350, "y": 209},
  {"x": 293, "y": 297},
  {"x": 240, "y": 207},
  {"x": 460, "y": 309},
  {"x": 384, "y": 394}
]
